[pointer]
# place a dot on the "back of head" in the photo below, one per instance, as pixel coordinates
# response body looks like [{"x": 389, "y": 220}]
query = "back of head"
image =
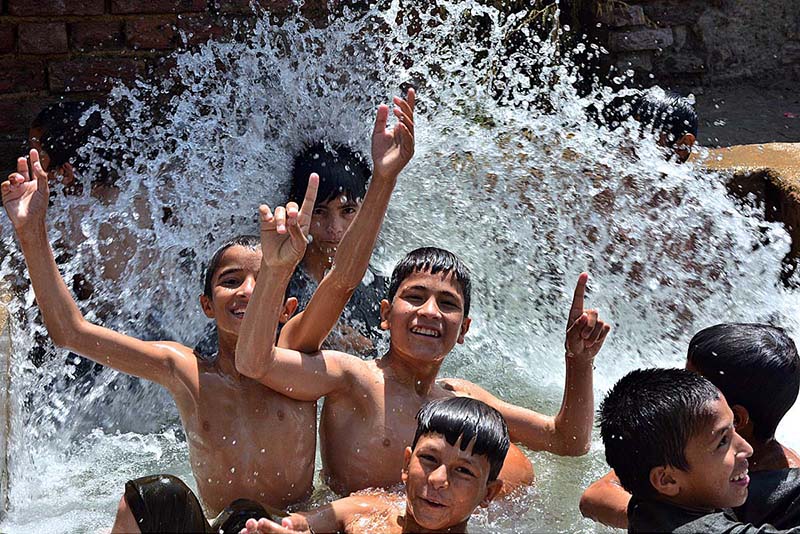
[
  {"x": 647, "y": 419},
  {"x": 64, "y": 130},
  {"x": 433, "y": 260},
  {"x": 248, "y": 241},
  {"x": 475, "y": 422},
  {"x": 667, "y": 113},
  {"x": 341, "y": 170},
  {"x": 745, "y": 360}
]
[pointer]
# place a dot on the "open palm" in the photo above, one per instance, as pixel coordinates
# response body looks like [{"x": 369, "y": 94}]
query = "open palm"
[
  {"x": 392, "y": 149},
  {"x": 25, "y": 193}
]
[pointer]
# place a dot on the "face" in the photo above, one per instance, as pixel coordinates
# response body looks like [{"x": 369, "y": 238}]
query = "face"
[
  {"x": 426, "y": 317},
  {"x": 682, "y": 148},
  {"x": 444, "y": 484},
  {"x": 231, "y": 287},
  {"x": 329, "y": 221},
  {"x": 717, "y": 457},
  {"x": 64, "y": 173}
]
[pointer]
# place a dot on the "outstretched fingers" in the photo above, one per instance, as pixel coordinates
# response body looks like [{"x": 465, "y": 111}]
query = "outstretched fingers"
[{"x": 381, "y": 117}]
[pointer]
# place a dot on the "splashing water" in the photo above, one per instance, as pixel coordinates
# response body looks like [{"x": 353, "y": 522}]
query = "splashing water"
[{"x": 528, "y": 198}]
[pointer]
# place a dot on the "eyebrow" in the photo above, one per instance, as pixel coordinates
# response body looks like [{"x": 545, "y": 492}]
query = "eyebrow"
[
  {"x": 229, "y": 270},
  {"x": 424, "y": 288}
]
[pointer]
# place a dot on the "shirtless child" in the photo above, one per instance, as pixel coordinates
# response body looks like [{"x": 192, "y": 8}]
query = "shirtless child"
[
  {"x": 224, "y": 414},
  {"x": 449, "y": 470},
  {"x": 370, "y": 405},
  {"x": 742, "y": 360}
]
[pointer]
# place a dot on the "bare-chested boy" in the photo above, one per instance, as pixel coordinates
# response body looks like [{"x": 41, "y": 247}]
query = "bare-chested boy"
[
  {"x": 369, "y": 409},
  {"x": 449, "y": 470},
  {"x": 224, "y": 413}
]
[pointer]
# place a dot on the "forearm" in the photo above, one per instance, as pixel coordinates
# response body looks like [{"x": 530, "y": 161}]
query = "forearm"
[
  {"x": 256, "y": 344},
  {"x": 573, "y": 424},
  {"x": 61, "y": 316}
]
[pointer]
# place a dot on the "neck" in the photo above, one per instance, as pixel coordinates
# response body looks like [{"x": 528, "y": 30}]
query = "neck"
[
  {"x": 316, "y": 263},
  {"x": 409, "y": 524},
  {"x": 226, "y": 353},
  {"x": 410, "y": 371}
]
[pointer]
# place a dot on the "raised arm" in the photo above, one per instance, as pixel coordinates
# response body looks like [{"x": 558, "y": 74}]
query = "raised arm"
[
  {"x": 569, "y": 432},
  {"x": 606, "y": 501},
  {"x": 391, "y": 151},
  {"x": 25, "y": 198},
  {"x": 297, "y": 375},
  {"x": 331, "y": 517}
]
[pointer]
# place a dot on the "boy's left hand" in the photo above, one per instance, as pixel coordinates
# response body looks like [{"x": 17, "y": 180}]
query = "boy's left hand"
[
  {"x": 393, "y": 149},
  {"x": 265, "y": 526},
  {"x": 585, "y": 331},
  {"x": 284, "y": 233}
]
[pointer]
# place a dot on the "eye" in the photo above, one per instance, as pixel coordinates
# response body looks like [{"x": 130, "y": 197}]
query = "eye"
[
  {"x": 466, "y": 472},
  {"x": 427, "y": 458},
  {"x": 230, "y": 281},
  {"x": 349, "y": 210},
  {"x": 450, "y": 304},
  {"x": 319, "y": 211},
  {"x": 724, "y": 441},
  {"x": 414, "y": 299}
]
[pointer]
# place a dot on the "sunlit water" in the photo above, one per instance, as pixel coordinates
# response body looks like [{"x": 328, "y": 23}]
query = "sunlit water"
[{"x": 528, "y": 198}]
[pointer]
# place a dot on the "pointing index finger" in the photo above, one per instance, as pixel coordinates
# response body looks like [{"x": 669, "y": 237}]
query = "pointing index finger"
[
  {"x": 310, "y": 197},
  {"x": 576, "y": 309}
]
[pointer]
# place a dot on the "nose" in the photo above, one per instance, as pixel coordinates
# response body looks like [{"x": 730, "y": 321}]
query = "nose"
[
  {"x": 438, "y": 477},
  {"x": 430, "y": 308},
  {"x": 246, "y": 289},
  {"x": 743, "y": 448}
]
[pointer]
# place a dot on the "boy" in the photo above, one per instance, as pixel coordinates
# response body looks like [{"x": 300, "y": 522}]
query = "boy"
[
  {"x": 369, "y": 406},
  {"x": 223, "y": 413},
  {"x": 449, "y": 470},
  {"x": 742, "y": 361},
  {"x": 669, "y": 435},
  {"x": 672, "y": 118}
]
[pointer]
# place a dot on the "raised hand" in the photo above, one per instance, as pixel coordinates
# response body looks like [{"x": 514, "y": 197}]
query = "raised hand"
[
  {"x": 284, "y": 233},
  {"x": 265, "y": 526},
  {"x": 393, "y": 149},
  {"x": 26, "y": 193},
  {"x": 585, "y": 331}
]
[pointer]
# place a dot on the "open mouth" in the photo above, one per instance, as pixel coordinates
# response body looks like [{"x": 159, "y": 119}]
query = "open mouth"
[
  {"x": 742, "y": 479},
  {"x": 433, "y": 504},
  {"x": 427, "y": 332},
  {"x": 239, "y": 314}
]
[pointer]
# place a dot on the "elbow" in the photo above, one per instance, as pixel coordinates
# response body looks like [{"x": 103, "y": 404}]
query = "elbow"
[
  {"x": 65, "y": 335},
  {"x": 573, "y": 446},
  {"x": 249, "y": 368},
  {"x": 586, "y": 505}
]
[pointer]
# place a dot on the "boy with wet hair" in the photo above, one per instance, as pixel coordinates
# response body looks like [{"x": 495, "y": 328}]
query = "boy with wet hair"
[
  {"x": 344, "y": 174},
  {"x": 671, "y": 117},
  {"x": 449, "y": 470},
  {"x": 742, "y": 360},
  {"x": 669, "y": 436},
  {"x": 367, "y": 416}
]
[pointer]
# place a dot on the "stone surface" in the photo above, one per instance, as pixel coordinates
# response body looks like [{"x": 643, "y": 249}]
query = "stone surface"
[
  {"x": 97, "y": 35},
  {"x": 790, "y": 52},
  {"x": 21, "y": 75},
  {"x": 151, "y": 33},
  {"x": 7, "y": 42},
  {"x": 643, "y": 39},
  {"x": 90, "y": 74},
  {"x": 623, "y": 15},
  {"x": 39, "y": 8},
  {"x": 642, "y": 61},
  {"x": 156, "y": 6},
  {"x": 680, "y": 63},
  {"x": 42, "y": 38}
]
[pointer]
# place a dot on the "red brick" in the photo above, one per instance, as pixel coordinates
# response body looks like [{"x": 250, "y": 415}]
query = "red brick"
[
  {"x": 42, "y": 38},
  {"x": 91, "y": 74},
  {"x": 96, "y": 35},
  {"x": 126, "y": 7},
  {"x": 198, "y": 29},
  {"x": 38, "y": 8},
  {"x": 6, "y": 38},
  {"x": 151, "y": 33},
  {"x": 16, "y": 114},
  {"x": 21, "y": 75}
]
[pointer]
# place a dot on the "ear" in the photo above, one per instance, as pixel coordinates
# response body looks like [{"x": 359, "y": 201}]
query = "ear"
[
  {"x": 68, "y": 174},
  {"x": 406, "y": 462},
  {"x": 205, "y": 304},
  {"x": 385, "y": 309},
  {"x": 688, "y": 140},
  {"x": 741, "y": 417},
  {"x": 663, "y": 480},
  {"x": 492, "y": 489},
  {"x": 464, "y": 329},
  {"x": 289, "y": 307}
]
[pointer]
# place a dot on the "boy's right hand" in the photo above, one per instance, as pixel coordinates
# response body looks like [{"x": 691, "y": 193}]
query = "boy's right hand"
[
  {"x": 265, "y": 526},
  {"x": 586, "y": 332},
  {"x": 284, "y": 233},
  {"x": 26, "y": 193}
]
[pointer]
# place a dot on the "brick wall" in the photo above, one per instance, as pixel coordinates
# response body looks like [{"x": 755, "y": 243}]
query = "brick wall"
[
  {"x": 699, "y": 42},
  {"x": 74, "y": 49}
]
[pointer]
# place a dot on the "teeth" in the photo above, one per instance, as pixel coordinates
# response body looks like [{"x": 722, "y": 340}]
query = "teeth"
[
  {"x": 739, "y": 477},
  {"x": 425, "y": 331}
]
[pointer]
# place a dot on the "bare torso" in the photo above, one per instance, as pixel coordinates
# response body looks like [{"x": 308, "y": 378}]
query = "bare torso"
[
  {"x": 364, "y": 431},
  {"x": 245, "y": 440}
]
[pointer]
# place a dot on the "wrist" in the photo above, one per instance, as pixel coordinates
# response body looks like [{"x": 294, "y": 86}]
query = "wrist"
[
  {"x": 379, "y": 176},
  {"x": 32, "y": 232},
  {"x": 578, "y": 359}
]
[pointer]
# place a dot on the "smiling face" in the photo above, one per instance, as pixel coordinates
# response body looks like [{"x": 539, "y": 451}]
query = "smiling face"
[
  {"x": 717, "y": 457},
  {"x": 231, "y": 287},
  {"x": 426, "y": 317},
  {"x": 444, "y": 484}
]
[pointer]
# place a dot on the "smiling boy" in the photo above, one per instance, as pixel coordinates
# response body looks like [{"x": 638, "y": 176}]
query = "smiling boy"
[
  {"x": 669, "y": 435},
  {"x": 449, "y": 470},
  {"x": 370, "y": 405}
]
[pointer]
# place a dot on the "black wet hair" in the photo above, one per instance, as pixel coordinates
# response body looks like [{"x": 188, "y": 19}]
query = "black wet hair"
[
  {"x": 468, "y": 419},
  {"x": 666, "y": 113},
  {"x": 341, "y": 170},
  {"x": 746, "y": 360},
  {"x": 63, "y": 132},
  {"x": 433, "y": 260},
  {"x": 248, "y": 241},
  {"x": 648, "y": 418}
]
